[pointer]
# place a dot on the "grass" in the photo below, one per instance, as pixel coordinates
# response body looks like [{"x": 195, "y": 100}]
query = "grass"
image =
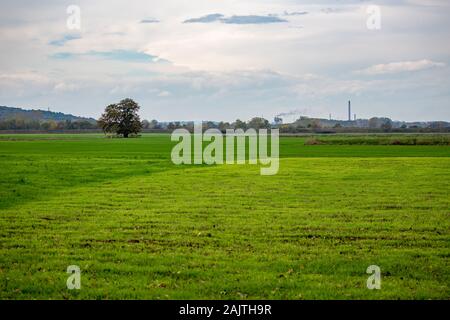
[
  {"x": 140, "y": 227},
  {"x": 382, "y": 139}
]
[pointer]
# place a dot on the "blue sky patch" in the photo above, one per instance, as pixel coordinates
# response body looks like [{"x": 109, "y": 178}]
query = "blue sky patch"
[
  {"x": 120, "y": 55},
  {"x": 63, "y": 40},
  {"x": 250, "y": 19}
]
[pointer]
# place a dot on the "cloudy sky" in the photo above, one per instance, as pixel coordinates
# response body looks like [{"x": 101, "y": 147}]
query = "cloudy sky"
[{"x": 222, "y": 60}]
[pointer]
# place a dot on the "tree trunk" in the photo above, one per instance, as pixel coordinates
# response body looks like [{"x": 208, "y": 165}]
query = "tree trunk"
[{"x": 125, "y": 135}]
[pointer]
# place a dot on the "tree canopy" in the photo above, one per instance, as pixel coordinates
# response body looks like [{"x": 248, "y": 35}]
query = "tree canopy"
[{"x": 121, "y": 118}]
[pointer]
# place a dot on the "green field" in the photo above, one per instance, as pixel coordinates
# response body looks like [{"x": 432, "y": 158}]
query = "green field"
[{"x": 140, "y": 227}]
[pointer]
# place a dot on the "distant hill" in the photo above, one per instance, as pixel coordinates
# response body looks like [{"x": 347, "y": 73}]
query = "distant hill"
[{"x": 40, "y": 115}]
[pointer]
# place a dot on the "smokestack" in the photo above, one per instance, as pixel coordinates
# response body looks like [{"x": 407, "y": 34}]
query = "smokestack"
[
  {"x": 349, "y": 111},
  {"x": 354, "y": 116}
]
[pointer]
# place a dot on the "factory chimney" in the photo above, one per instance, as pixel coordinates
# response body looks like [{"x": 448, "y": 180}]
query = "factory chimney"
[{"x": 349, "y": 111}]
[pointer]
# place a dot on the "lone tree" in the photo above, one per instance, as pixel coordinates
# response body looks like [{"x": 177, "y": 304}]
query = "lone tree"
[{"x": 121, "y": 118}]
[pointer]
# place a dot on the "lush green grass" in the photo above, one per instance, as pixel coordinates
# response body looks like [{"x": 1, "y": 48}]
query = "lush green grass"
[
  {"x": 382, "y": 139},
  {"x": 141, "y": 227}
]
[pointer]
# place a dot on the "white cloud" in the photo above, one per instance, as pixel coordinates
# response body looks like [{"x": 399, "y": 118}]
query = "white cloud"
[
  {"x": 65, "y": 87},
  {"x": 442, "y": 3},
  {"x": 402, "y": 66},
  {"x": 164, "y": 94},
  {"x": 30, "y": 77}
]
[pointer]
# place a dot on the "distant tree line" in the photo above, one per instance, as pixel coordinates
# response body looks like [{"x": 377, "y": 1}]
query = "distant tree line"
[
  {"x": 46, "y": 125},
  {"x": 303, "y": 125},
  {"x": 256, "y": 123},
  {"x": 375, "y": 124},
  {"x": 122, "y": 119}
]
